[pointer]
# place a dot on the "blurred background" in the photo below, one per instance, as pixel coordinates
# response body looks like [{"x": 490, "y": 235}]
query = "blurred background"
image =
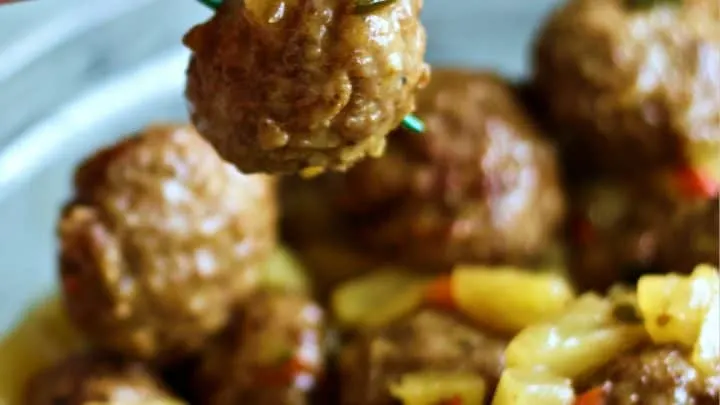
[{"x": 78, "y": 74}]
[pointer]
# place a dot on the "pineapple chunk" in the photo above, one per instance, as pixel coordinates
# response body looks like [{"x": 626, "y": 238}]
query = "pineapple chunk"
[
  {"x": 432, "y": 388},
  {"x": 533, "y": 387},
  {"x": 508, "y": 299},
  {"x": 580, "y": 341},
  {"x": 674, "y": 307}
]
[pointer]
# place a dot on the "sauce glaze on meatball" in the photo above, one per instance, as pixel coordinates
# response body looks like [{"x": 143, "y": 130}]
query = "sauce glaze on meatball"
[
  {"x": 619, "y": 230},
  {"x": 316, "y": 233},
  {"x": 160, "y": 240},
  {"x": 480, "y": 185},
  {"x": 94, "y": 378},
  {"x": 273, "y": 354},
  {"x": 629, "y": 88},
  {"x": 286, "y": 85}
]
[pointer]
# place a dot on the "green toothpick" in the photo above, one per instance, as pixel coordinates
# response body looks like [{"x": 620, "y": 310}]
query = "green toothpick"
[
  {"x": 413, "y": 124},
  {"x": 213, "y": 4},
  {"x": 368, "y": 6},
  {"x": 646, "y": 4}
]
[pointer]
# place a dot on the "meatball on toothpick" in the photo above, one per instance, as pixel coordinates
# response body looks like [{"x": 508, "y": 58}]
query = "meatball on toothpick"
[
  {"x": 633, "y": 85},
  {"x": 293, "y": 85},
  {"x": 161, "y": 239},
  {"x": 480, "y": 185}
]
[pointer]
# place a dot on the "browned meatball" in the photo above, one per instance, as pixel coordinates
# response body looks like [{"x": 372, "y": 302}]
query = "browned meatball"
[
  {"x": 632, "y": 88},
  {"x": 272, "y": 355},
  {"x": 161, "y": 238},
  {"x": 480, "y": 185},
  {"x": 316, "y": 233},
  {"x": 96, "y": 378},
  {"x": 280, "y": 85},
  {"x": 620, "y": 230},
  {"x": 428, "y": 340},
  {"x": 654, "y": 376}
]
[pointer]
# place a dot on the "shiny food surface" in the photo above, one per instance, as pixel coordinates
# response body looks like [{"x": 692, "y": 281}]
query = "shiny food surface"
[
  {"x": 159, "y": 239},
  {"x": 631, "y": 89},
  {"x": 481, "y": 185},
  {"x": 90, "y": 378},
  {"x": 546, "y": 349},
  {"x": 353, "y": 76}
]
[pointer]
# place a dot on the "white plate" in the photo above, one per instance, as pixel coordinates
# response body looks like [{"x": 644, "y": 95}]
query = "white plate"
[{"x": 78, "y": 74}]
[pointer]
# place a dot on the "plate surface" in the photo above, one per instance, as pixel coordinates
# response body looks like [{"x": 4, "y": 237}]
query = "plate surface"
[{"x": 78, "y": 74}]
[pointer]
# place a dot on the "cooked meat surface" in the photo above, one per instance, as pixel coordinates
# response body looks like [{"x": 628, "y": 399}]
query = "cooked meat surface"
[
  {"x": 273, "y": 354},
  {"x": 286, "y": 85},
  {"x": 428, "y": 340},
  {"x": 317, "y": 234},
  {"x": 632, "y": 88},
  {"x": 654, "y": 376},
  {"x": 95, "y": 378},
  {"x": 480, "y": 185},
  {"x": 620, "y": 230},
  {"x": 159, "y": 241}
]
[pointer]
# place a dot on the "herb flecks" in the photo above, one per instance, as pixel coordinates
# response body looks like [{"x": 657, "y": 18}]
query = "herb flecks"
[
  {"x": 369, "y": 6},
  {"x": 647, "y": 4}
]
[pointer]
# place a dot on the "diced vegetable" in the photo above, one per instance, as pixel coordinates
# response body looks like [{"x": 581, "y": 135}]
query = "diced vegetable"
[
  {"x": 703, "y": 156},
  {"x": 695, "y": 182},
  {"x": 507, "y": 299},
  {"x": 590, "y": 311},
  {"x": 580, "y": 341},
  {"x": 378, "y": 298},
  {"x": 570, "y": 353},
  {"x": 311, "y": 172},
  {"x": 439, "y": 293},
  {"x": 283, "y": 271},
  {"x": 281, "y": 374},
  {"x": 433, "y": 388},
  {"x": 41, "y": 339},
  {"x": 596, "y": 396},
  {"x": 532, "y": 387},
  {"x": 675, "y": 306},
  {"x": 706, "y": 354}
]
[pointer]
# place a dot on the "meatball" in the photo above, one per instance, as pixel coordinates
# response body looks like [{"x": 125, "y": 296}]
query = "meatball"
[
  {"x": 161, "y": 238},
  {"x": 632, "y": 87},
  {"x": 94, "y": 378},
  {"x": 272, "y": 355},
  {"x": 480, "y": 185},
  {"x": 282, "y": 86},
  {"x": 428, "y": 340},
  {"x": 620, "y": 230},
  {"x": 313, "y": 229},
  {"x": 654, "y": 376}
]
